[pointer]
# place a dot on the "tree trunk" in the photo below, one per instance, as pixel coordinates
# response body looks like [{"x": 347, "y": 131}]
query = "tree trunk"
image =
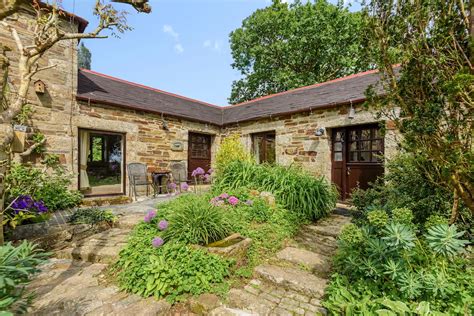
[{"x": 454, "y": 210}]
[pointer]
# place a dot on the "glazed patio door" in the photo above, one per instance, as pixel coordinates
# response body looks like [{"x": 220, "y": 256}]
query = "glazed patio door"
[
  {"x": 199, "y": 152},
  {"x": 357, "y": 157}
]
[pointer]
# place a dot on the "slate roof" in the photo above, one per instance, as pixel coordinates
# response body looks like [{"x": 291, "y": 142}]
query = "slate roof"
[{"x": 99, "y": 88}]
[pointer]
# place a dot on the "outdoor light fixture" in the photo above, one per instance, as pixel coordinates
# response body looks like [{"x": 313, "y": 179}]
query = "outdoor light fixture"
[
  {"x": 319, "y": 131},
  {"x": 164, "y": 123},
  {"x": 352, "y": 112}
]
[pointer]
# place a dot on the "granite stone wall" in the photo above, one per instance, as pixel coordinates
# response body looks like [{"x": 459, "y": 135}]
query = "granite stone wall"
[{"x": 296, "y": 142}]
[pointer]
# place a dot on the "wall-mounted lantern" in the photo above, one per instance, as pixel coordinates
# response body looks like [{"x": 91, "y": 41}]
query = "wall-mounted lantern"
[
  {"x": 352, "y": 112},
  {"x": 320, "y": 131},
  {"x": 40, "y": 87}
]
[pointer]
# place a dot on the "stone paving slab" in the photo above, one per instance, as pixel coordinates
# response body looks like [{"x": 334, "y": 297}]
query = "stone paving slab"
[
  {"x": 309, "y": 259},
  {"x": 103, "y": 247},
  {"x": 293, "y": 279},
  {"x": 67, "y": 287}
]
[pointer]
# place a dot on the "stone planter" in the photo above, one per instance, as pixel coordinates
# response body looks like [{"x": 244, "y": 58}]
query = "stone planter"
[{"x": 233, "y": 247}]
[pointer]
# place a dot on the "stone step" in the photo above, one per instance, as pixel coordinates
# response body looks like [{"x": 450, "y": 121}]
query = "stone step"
[
  {"x": 329, "y": 230},
  {"x": 319, "y": 264},
  {"x": 103, "y": 247},
  {"x": 262, "y": 298},
  {"x": 294, "y": 279}
]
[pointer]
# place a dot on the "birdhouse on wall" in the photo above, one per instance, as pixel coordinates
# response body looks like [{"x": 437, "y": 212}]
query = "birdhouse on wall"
[{"x": 39, "y": 87}]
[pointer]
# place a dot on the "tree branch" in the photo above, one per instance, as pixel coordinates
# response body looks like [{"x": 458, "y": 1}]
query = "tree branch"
[{"x": 33, "y": 147}]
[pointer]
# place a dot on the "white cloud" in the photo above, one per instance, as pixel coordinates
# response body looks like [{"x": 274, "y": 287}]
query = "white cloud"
[
  {"x": 179, "y": 48},
  {"x": 213, "y": 45},
  {"x": 168, "y": 29}
]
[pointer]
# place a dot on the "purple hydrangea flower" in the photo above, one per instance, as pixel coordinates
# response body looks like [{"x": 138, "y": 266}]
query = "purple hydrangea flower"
[
  {"x": 233, "y": 200},
  {"x": 249, "y": 202},
  {"x": 184, "y": 186},
  {"x": 149, "y": 216},
  {"x": 172, "y": 186},
  {"x": 210, "y": 171},
  {"x": 197, "y": 172},
  {"x": 207, "y": 178},
  {"x": 157, "y": 242},
  {"x": 163, "y": 224}
]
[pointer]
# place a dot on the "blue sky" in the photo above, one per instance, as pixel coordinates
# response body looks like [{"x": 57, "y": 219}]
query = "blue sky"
[{"x": 181, "y": 47}]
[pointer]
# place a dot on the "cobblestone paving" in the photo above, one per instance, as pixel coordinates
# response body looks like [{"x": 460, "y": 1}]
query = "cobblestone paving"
[
  {"x": 74, "y": 282},
  {"x": 294, "y": 283}
]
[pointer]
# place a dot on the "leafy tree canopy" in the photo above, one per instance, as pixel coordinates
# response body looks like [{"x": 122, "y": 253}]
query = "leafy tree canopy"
[
  {"x": 430, "y": 96},
  {"x": 284, "y": 46},
  {"x": 84, "y": 57}
]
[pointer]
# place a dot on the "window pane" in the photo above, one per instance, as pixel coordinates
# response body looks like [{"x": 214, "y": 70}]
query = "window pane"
[
  {"x": 365, "y": 145},
  {"x": 270, "y": 148},
  {"x": 365, "y": 134},
  {"x": 377, "y": 144},
  {"x": 354, "y": 136},
  {"x": 353, "y": 156},
  {"x": 339, "y": 136},
  {"x": 377, "y": 133},
  {"x": 353, "y": 146},
  {"x": 338, "y": 156},
  {"x": 338, "y": 146},
  {"x": 97, "y": 148},
  {"x": 365, "y": 156}
]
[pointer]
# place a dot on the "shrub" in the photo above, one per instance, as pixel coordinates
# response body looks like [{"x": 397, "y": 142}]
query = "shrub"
[
  {"x": 293, "y": 188},
  {"x": 51, "y": 185},
  {"x": 390, "y": 270},
  {"x": 92, "y": 216},
  {"x": 171, "y": 270},
  {"x": 403, "y": 186},
  {"x": 193, "y": 219},
  {"x": 17, "y": 265},
  {"x": 231, "y": 149}
]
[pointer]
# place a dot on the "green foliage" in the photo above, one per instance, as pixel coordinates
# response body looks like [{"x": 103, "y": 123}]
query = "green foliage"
[
  {"x": 92, "y": 216},
  {"x": 193, "y": 220},
  {"x": 50, "y": 184},
  {"x": 17, "y": 265},
  {"x": 444, "y": 240},
  {"x": 284, "y": 46},
  {"x": 38, "y": 138},
  {"x": 172, "y": 270},
  {"x": 391, "y": 271},
  {"x": 429, "y": 96},
  {"x": 24, "y": 115},
  {"x": 231, "y": 149},
  {"x": 177, "y": 269},
  {"x": 84, "y": 57},
  {"x": 402, "y": 216},
  {"x": 293, "y": 188},
  {"x": 403, "y": 186},
  {"x": 351, "y": 234},
  {"x": 378, "y": 218}
]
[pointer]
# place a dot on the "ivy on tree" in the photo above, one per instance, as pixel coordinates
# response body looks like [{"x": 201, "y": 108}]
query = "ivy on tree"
[{"x": 283, "y": 46}]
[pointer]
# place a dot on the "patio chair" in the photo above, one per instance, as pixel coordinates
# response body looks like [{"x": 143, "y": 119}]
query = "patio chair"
[
  {"x": 179, "y": 173},
  {"x": 137, "y": 175}
]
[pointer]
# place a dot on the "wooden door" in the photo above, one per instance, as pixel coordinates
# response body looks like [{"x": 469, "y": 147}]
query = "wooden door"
[
  {"x": 357, "y": 157},
  {"x": 263, "y": 147},
  {"x": 199, "y": 152}
]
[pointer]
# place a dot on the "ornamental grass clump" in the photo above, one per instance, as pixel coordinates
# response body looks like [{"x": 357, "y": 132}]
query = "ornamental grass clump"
[
  {"x": 310, "y": 197},
  {"x": 193, "y": 220}
]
